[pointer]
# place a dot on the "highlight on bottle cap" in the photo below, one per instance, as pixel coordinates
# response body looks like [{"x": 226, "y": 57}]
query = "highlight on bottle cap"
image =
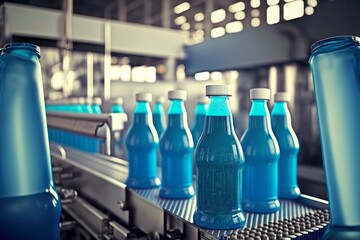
[
  {"x": 97, "y": 101},
  {"x": 282, "y": 97},
  {"x": 89, "y": 101},
  {"x": 118, "y": 100},
  {"x": 218, "y": 90},
  {"x": 202, "y": 99},
  {"x": 81, "y": 100},
  {"x": 260, "y": 93},
  {"x": 159, "y": 99},
  {"x": 177, "y": 94},
  {"x": 143, "y": 97}
]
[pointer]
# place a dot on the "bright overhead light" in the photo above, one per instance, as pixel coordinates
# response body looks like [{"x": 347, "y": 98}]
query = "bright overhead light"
[
  {"x": 217, "y": 32},
  {"x": 216, "y": 76},
  {"x": 218, "y": 16},
  {"x": 199, "y": 26},
  {"x": 309, "y": 10},
  {"x": 180, "y": 20},
  {"x": 272, "y": 2},
  {"x": 273, "y": 14},
  {"x": 202, "y": 76},
  {"x": 57, "y": 80},
  {"x": 150, "y": 74},
  {"x": 293, "y": 10},
  {"x": 237, "y": 7},
  {"x": 255, "y": 22},
  {"x": 239, "y": 15},
  {"x": 255, "y": 13},
  {"x": 233, "y": 27},
  {"x": 125, "y": 73},
  {"x": 312, "y": 3},
  {"x": 185, "y": 26},
  {"x": 182, "y": 7},
  {"x": 255, "y": 3},
  {"x": 115, "y": 72},
  {"x": 199, "y": 17}
]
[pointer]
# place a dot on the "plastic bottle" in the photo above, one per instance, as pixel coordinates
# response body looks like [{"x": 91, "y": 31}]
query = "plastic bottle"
[
  {"x": 142, "y": 142},
  {"x": 260, "y": 193},
  {"x": 30, "y": 208},
  {"x": 199, "y": 118},
  {"x": 176, "y": 148},
  {"x": 219, "y": 161},
  {"x": 117, "y": 105},
  {"x": 159, "y": 115},
  {"x": 96, "y": 107},
  {"x": 289, "y": 146}
]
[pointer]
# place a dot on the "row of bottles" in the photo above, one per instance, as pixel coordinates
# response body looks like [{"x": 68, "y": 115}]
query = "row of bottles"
[{"x": 228, "y": 179}]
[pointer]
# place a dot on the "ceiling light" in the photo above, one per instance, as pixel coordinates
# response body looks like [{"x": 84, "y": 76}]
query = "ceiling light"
[
  {"x": 218, "y": 16},
  {"x": 199, "y": 17},
  {"x": 293, "y": 10},
  {"x": 234, "y": 27},
  {"x": 202, "y": 76},
  {"x": 239, "y": 15},
  {"x": 236, "y": 7},
  {"x": 255, "y": 22},
  {"x": 273, "y": 14},
  {"x": 217, "y": 32},
  {"x": 180, "y": 20},
  {"x": 309, "y": 10},
  {"x": 182, "y": 7}
]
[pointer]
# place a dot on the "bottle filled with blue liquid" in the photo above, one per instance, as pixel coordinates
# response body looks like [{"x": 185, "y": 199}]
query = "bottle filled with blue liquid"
[
  {"x": 142, "y": 143},
  {"x": 159, "y": 117},
  {"x": 219, "y": 162},
  {"x": 30, "y": 208},
  {"x": 176, "y": 148},
  {"x": 96, "y": 106},
  {"x": 117, "y": 107},
  {"x": 199, "y": 118},
  {"x": 335, "y": 66},
  {"x": 289, "y": 147},
  {"x": 260, "y": 191}
]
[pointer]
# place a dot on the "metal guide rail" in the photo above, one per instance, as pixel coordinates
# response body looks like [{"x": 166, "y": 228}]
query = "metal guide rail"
[
  {"x": 100, "y": 179},
  {"x": 100, "y": 126}
]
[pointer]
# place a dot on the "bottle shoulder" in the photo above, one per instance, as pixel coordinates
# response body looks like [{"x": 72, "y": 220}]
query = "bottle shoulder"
[
  {"x": 260, "y": 143},
  {"x": 286, "y": 138},
  {"x": 176, "y": 139},
  {"x": 141, "y": 135}
]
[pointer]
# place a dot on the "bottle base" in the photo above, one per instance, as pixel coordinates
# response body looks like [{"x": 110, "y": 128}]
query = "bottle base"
[
  {"x": 139, "y": 183},
  {"x": 261, "y": 206},
  {"x": 219, "y": 221},
  {"x": 289, "y": 193},
  {"x": 344, "y": 233},
  {"x": 177, "y": 193}
]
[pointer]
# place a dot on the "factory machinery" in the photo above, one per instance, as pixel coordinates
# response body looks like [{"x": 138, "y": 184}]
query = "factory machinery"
[{"x": 97, "y": 204}]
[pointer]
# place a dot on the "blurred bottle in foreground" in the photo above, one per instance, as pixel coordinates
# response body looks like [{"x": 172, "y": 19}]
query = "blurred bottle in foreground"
[{"x": 199, "y": 118}]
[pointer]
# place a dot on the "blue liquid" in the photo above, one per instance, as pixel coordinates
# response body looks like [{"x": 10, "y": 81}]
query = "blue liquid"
[
  {"x": 159, "y": 118},
  {"x": 30, "y": 217},
  {"x": 176, "y": 148},
  {"x": 289, "y": 149},
  {"x": 335, "y": 68},
  {"x": 260, "y": 193},
  {"x": 117, "y": 108},
  {"x": 219, "y": 162},
  {"x": 199, "y": 121},
  {"x": 142, "y": 143}
]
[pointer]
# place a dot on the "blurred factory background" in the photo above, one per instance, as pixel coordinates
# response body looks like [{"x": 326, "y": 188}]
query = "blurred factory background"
[{"x": 115, "y": 48}]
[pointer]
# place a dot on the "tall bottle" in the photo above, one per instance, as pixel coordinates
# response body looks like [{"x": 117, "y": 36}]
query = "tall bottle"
[
  {"x": 117, "y": 105},
  {"x": 219, "y": 162},
  {"x": 142, "y": 142},
  {"x": 199, "y": 118},
  {"x": 260, "y": 193},
  {"x": 159, "y": 115},
  {"x": 289, "y": 146},
  {"x": 29, "y": 204},
  {"x": 176, "y": 148}
]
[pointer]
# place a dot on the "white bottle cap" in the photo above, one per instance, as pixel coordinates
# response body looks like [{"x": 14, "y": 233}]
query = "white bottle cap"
[
  {"x": 218, "y": 90},
  {"x": 97, "y": 101},
  {"x": 81, "y": 100},
  {"x": 118, "y": 100},
  {"x": 143, "y": 97},
  {"x": 159, "y": 99},
  {"x": 177, "y": 94},
  {"x": 202, "y": 99},
  {"x": 260, "y": 93},
  {"x": 282, "y": 97},
  {"x": 89, "y": 101}
]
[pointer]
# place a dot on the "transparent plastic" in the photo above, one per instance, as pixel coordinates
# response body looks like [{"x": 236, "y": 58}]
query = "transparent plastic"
[
  {"x": 142, "y": 142},
  {"x": 289, "y": 149},
  {"x": 176, "y": 149},
  {"x": 219, "y": 162},
  {"x": 260, "y": 189},
  {"x": 29, "y": 204},
  {"x": 335, "y": 66}
]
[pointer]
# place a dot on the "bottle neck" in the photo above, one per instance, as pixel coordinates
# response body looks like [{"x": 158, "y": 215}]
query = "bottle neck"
[
  {"x": 219, "y": 106},
  {"x": 218, "y": 116},
  {"x": 259, "y": 117},
  {"x": 142, "y": 113},
  {"x": 158, "y": 109},
  {"x": 177, "y": 115},
  {"x": 200, "y": 109},
  {"x": 281, "y": 115}
]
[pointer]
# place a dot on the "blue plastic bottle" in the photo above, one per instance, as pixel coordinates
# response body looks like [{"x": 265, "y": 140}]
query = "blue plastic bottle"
[
  {"x": 289, "y": 147},
  {"x": 260, "y": 189},
  {"x": 176, "y": 148},
  {"x": 199, "y": 118},
  {"x": 159, "y": 115},
  {"x": 142, "y": 142},
  {"x": 30, "y": 208},
  {"x": 117, "y": 107},
  {"x": 219, "y": 162},
  {"x": 96, "y": 107}
]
